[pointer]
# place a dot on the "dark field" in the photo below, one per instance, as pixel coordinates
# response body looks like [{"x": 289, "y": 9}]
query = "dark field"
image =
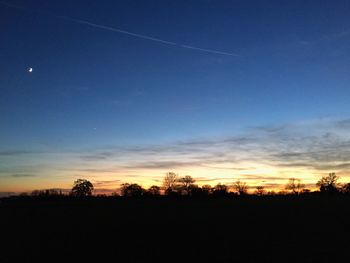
[{"x": 252, "y": 229}]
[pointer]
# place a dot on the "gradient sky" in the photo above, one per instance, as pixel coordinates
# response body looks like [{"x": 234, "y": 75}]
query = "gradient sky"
[{"x": 220, "y": 90}]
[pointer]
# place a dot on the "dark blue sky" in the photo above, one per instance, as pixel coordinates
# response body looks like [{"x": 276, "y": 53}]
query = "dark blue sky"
[{"x": 92, "y": 87}]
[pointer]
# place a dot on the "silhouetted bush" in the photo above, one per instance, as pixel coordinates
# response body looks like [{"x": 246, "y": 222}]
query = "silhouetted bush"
[
  {"x": 154, "y": 190},
  {"x": 207, "y": 189},
  {"x": 220, "y": 190},
  {"x": 47, "y": 193},
  {"x": 132, "y": 190},
  {"x": 346, "y": 188}
]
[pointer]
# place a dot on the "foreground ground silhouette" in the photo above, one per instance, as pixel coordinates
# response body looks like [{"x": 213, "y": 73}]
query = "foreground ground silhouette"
[{"x": 246, "y": 229}]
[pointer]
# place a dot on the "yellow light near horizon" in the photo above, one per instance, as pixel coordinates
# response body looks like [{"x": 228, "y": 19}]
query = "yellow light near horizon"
[{"x": 254, "y": 174}]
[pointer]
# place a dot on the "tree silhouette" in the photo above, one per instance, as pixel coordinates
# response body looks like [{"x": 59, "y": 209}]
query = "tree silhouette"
[
  {"x": 305, "y": 191},
  {"x": 154, "y": 190},
  {"x": 82, "y": 187},
  {"x": 186, "y": 184},
  {"x": 170, "y": 182},
  {"x": 260, "y": 190},
  {"x": 186, "y": 181},
  {"x": 47, "y": 193},
  {"x": 132, "y": 190},
  {"x": 294, "y": 185},
  {"x": 220, "y": 190},
  {"x": 346, "y": 188},
  {"x": 240, "y": 187},
  {"x": 195, "y": 191},
  {"x": 328, "y": 184},
  {"x": 207, "y": 189}
]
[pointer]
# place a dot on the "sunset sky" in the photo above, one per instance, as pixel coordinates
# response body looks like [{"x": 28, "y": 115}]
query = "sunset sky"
[{"x": 125, "y": 91}]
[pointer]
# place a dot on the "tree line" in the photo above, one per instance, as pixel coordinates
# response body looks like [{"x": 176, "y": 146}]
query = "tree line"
[{"x": 173, "y": 185}]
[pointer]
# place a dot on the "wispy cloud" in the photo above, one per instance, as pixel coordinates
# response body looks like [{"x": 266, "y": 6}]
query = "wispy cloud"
[
  {"x": 14, "y": 152},
  {"x": 325, "y": 38},
  {"x": 261, "y": 155},
  {"x": 316, "y": 146},
  {"x": 98, "y": 156},
  {"x": 105, "y": 183},
  {"x": 22, "y": 175}
]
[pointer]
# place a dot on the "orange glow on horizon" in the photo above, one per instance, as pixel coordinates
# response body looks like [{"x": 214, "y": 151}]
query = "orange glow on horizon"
[{"x": 270, "y": 178}]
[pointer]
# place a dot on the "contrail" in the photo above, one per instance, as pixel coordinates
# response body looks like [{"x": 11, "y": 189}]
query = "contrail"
[
  {"x": 209, "y": 50},
  {"x": 117, "y": 30},
  {"x": 84, "y": 22}
]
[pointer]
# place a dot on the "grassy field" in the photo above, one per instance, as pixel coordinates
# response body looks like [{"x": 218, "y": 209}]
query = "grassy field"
[{"x": 251, "y": 229}]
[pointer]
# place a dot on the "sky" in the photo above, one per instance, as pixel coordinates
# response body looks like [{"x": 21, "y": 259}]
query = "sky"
[{"x": 125, "y": 91}]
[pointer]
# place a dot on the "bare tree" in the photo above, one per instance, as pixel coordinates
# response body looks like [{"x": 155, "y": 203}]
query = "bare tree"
[
  {"x": 186, "y": 181},
  {"x": 260, "y": 190},
  {"x": 170, "y": 182},
  {"x": 328, "y": 184},
  {"x": 240, "y": 187},
  {"x": 186, "y": 184},
  {"x": 295, "y": 186}
]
